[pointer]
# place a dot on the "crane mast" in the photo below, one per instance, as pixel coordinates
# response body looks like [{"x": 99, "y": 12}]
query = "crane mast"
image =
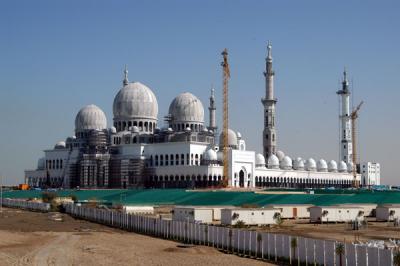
[
  {"x": 353, "y": 117},
  {"x": 225, "y": 78}
]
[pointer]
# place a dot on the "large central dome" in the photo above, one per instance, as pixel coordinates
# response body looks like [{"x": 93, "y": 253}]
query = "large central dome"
[{"x": 135, "y": 105}]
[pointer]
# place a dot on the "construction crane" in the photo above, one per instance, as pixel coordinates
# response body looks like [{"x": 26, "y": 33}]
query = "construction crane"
[
  {"x": 225, "y": 77},
  {"x": 353, "y": 117}
]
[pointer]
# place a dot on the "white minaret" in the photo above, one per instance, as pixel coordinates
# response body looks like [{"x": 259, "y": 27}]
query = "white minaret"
[
  {"x": 213, "y": 125},
  {"x": 346, "y": 149},
  {"x": 269, "y": 102}
]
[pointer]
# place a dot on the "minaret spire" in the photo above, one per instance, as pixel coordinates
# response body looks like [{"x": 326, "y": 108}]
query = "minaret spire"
[
  {"x": 346, "y": 146},
  {"x": 126, "y": 81},
  {"x": 212, "y": 109},
  {"x": 269, "y": 102}
]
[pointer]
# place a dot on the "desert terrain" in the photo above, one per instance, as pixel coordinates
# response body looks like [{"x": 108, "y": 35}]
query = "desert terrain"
[{"x": 32, "y": 238}]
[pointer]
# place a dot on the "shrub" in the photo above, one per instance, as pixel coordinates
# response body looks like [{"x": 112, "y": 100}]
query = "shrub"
[
  {"x": 48, "y": 197},
  {"x": 239, "y": 224}
]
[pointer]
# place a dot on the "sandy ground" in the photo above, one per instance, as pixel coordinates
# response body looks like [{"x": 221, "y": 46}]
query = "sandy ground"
[{"x": 29, "y": 238}]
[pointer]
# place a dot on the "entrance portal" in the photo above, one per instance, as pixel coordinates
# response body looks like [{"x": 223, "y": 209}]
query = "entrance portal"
[{"x": 241, "y": 178}]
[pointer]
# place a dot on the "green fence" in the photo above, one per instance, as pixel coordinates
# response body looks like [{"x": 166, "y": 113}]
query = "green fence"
[{"x": 187, "y": 197}]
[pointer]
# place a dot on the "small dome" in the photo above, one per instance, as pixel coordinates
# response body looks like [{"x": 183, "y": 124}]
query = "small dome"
[
  {"x": 135, "y": 101},
  {"x": 273, "y": 162},
  {"x": 135, "y": 129},
  {"x": 41, "y": 164},
  {"x": 286, "y": 163},
  {"x": 90, "y": 117},
  {"x": 232, "y": 139},
  {"x": 260, "y": 160},
  {"x": 186, "y": 108},
  {"x": 322, "y": 166},
  {"x": 332, "y": 166},
  {"x": 311, "y": 165},
  {"x": 350, "y": 167},
  {"x": 280, "y": 155},
  {"x": 239, "y": 135},
  {"x": 342, "y": 167},
  {"x": 113, "y": 130},
  {"x": 298, "y": 164},
  {"x": 210, "y": 155},
  {"x": 60, "y": 145}
]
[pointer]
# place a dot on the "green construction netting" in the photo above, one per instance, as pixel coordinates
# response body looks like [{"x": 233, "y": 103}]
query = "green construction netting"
[{"x": 183, "y": 197}]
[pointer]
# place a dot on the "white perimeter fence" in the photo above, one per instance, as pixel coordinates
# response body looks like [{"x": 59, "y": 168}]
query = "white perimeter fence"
[
  {"x": 29, "y": 205},
  {"x": 273, "y": 247}
]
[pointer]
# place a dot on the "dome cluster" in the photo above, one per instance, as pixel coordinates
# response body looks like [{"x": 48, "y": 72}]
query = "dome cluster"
[{"x": 284, "y": 162}]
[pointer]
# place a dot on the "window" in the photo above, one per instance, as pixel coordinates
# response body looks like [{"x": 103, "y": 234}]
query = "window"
[
  {"x": 161, "y": 160},
  {"x": 182, "y": 159}
]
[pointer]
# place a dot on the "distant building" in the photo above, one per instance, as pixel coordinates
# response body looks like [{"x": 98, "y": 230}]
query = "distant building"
[{"x": 370, "y": 174}]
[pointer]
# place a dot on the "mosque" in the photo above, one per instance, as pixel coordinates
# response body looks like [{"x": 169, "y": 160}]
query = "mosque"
[{"x": 136, "y": 153}]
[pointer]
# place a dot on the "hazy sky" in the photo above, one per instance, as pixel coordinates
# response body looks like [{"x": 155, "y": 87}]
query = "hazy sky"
[{"x": 57, "y": 56}]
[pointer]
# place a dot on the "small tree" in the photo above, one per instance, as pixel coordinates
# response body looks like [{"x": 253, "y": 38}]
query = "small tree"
[
  {"x": 206, "y": 234},
  {"x": 230, "y": 233},
  {"x": 259, "y": 243},
  {"x": 339, "y": 250},
  {"x": 240, "y": 224},
  {"x": 74, "y": 198},
  {"x": 278, "y": 218},
  {"x": 391, "y": 214},
  {"x": 293, "y": 245},
  {"x": 324, "y": 214},
  {"x": 396, "y": 258},
  {"x": 48, "y": 197}
]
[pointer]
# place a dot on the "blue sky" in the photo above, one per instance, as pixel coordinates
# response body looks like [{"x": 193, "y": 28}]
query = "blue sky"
[{"x": 57, "y": 56}]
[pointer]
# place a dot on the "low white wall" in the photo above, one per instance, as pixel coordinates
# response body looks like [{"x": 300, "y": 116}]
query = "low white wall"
[{"x": 262, "y": 245}]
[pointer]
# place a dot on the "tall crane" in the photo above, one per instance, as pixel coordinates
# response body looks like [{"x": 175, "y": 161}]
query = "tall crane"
[
  {"x": 353, "y": 117},
  {"x": 225, "y": 77}
]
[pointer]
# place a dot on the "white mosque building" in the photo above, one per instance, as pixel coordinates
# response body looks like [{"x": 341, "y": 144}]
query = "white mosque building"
[{"x": 136, "y": 153}]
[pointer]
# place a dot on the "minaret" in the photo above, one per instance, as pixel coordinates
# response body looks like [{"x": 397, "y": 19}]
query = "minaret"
[
  {"x": 213, "y": 125},
  {"x": 346, "y": 148},
  {"x": 269, "y": 102},
  {"x": 125, "y": 81}
]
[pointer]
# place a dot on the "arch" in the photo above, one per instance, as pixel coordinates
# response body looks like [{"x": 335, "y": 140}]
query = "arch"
[
  {"x": 146, "y": 126},
  {"x": 140, "y": 125},
  {"x": 241, "y": 178}
]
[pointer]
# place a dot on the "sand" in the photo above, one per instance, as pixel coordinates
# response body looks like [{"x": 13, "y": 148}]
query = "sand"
[{"x": 30, "y": 238}]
